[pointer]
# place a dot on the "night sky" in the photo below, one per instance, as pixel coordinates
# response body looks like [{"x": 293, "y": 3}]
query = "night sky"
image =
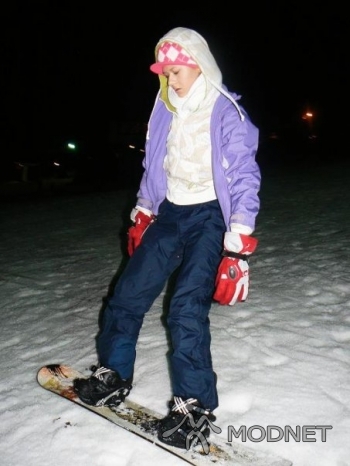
[{"x": 72, "y": 67}]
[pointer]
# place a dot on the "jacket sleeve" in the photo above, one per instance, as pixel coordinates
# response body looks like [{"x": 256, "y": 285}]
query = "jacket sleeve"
[
  {"x": 152, "y": 188},
  {"x": 240, "y": 174}
]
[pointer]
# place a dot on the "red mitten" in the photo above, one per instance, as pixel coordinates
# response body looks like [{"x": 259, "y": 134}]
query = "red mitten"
[
  {"x": 232, "y": 280},
  {"x": 135, "y": 233}
]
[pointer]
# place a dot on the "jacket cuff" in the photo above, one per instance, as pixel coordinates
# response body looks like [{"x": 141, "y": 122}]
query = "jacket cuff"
[{"x": 139, "y": 209}]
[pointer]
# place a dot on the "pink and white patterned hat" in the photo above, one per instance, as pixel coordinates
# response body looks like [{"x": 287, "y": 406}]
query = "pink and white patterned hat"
[{"x": 171, "y": 54}]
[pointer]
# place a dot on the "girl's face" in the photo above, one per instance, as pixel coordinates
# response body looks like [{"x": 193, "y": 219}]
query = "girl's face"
[{"x": 181, "y": 77}]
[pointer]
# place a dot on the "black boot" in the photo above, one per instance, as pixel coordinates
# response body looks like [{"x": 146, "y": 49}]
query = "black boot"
[
  {"x": 103, "y": 388},
  {"x": 186, "y": 424}
]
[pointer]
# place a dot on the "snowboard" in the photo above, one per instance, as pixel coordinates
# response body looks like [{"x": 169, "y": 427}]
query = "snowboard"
[{"x": 137, "y": 419}]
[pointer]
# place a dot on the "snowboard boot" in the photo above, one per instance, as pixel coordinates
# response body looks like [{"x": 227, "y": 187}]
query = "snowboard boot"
[
  {"x": 103, "y": 388},
  {"x": 186, "y": 424}
]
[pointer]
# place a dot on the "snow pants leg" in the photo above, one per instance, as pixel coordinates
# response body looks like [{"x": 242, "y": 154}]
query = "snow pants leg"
[{"x": 187, "y": 238}]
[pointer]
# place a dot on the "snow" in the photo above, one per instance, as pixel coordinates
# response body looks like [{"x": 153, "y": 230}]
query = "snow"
[{"x": 282, "y": 357}]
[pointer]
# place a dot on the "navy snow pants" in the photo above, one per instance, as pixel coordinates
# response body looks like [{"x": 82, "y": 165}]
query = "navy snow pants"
[{"x": 188, "y": 239}]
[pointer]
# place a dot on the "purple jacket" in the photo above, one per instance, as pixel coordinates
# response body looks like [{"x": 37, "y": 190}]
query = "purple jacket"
[{"x": 236, "y": 173}]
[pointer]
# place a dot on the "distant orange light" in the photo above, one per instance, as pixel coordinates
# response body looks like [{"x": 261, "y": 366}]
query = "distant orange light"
[{"x": 307, "y": 115}]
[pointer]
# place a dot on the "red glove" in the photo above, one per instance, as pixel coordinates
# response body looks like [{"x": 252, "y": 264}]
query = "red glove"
[
  {"x": 135, "y": 233},
  {"x": 232, "y": 280}
]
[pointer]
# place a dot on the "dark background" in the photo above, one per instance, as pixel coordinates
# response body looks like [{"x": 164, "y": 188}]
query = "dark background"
[{"x": 75, "y": 69}]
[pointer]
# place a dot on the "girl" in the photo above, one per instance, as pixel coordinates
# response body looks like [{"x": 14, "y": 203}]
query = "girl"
[{"x": 195, "y": 213}]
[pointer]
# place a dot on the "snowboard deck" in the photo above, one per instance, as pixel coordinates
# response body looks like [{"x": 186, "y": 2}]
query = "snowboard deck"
[{"x": 134, "y": 418}]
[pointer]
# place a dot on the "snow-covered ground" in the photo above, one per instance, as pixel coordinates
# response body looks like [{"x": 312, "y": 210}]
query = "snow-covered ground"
[{"x": 282, "y": 358}]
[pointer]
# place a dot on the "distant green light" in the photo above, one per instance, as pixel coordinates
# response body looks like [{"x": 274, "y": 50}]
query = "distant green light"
[{"x": 71, "y": 146}]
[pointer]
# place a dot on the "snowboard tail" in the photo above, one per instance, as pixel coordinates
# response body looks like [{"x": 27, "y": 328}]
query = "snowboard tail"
[{"x": 141, "y": 421}]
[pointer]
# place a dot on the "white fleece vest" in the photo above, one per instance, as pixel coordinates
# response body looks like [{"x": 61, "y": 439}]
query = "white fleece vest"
[{"x": 188, "y": 161}]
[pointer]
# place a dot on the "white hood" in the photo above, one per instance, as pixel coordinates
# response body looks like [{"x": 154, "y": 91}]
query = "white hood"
[{"x": 198, "y": 49}]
